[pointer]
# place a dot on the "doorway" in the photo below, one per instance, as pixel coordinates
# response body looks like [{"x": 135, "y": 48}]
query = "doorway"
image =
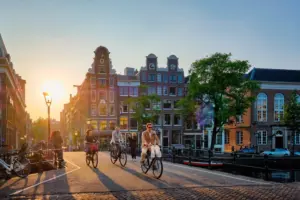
[{"x": 279, "y": 142}]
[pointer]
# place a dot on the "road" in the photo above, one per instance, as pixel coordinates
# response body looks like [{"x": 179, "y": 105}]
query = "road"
[{"x": 109, "y": 181}]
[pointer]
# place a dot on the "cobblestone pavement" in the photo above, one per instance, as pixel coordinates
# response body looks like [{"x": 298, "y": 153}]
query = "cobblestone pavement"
[{"x": 280, "y": 192}]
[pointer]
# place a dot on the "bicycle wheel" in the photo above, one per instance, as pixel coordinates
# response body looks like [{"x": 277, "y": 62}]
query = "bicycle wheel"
[
  {"x": 95, "y": 159},
  {"x": 22, "y": 169},
  {"x": 87, "y": 159},
  {"x": 145, "y": 166},
  {"x": 157, "y": 167},
  {"x": 123, "y": 158},
  {"x": 112, "y": 159}
]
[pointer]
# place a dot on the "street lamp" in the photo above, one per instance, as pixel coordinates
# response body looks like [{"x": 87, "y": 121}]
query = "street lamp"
[{"x": 48, "y": 101}]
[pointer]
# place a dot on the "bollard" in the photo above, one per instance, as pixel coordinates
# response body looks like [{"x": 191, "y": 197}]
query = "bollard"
[{"x": 266, "y": 167}]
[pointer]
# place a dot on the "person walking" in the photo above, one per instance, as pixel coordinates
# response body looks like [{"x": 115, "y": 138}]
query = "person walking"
[{"x": 132, "y": 142}]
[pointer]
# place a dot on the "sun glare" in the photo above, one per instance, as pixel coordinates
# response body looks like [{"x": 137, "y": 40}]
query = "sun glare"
[{"x": 54, "y": 88}]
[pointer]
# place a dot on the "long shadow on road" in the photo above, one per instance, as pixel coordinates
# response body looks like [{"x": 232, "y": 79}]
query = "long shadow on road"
[{"x": 110, "y": 184}]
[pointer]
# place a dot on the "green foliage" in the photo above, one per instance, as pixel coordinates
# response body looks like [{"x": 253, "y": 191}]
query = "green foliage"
[
  {"x": 40, "y": 129},
  {"x": 186, "y": 108},
  {"x": 292, "y": 113},
  {"x": 139, "y": 106},
  {"x": 219, "y": 80}
]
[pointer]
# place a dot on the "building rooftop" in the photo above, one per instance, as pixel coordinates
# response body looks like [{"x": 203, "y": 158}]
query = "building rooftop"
[{"x": 275, "y": 75}]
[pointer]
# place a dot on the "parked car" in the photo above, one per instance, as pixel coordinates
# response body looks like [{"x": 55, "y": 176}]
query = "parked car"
[
  {"x": 247, "y": 150},
  {"x": 297, "y": 153},
  {"x": 278, "y": 152}
]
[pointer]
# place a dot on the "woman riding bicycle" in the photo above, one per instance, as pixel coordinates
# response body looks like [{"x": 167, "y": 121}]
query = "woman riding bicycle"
[{"x": 89, "y": 140}]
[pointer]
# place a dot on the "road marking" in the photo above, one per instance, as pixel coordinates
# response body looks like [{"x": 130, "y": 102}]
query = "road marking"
[
  {"x": 45, "y": 181},
  {"x": 218, "y": 174}
]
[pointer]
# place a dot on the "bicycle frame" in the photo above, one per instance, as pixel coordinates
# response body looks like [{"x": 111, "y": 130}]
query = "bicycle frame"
[{"x": 9, "y": 167}]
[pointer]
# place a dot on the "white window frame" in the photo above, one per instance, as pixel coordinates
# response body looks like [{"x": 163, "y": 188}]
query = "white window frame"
[
  {"x": 180, "y": 120},
  {"x": 297, "y": 139},
  {"x": 165, "y": 120},
  {"x": 261, "y": 134},
  {"x": 170, "y": 91},
  {"x": 178, "y": 93},
  {"x": 93, "y": 110},
  {"x": 261, "y": 102},
  {"x": 112, "y": 106},
  {"x": 159, "y": 90},
  {"x": 227, "y": 138},
  {"x": 278, "y": 107},
  {"x": 99, "y": 109},
  {"x": 158, "y": 78},
  {"x": 133, "y": 91},
  {"x": 152, "y": 90},
  {"x": 239, "y": 137},
  {"x": 239, "y": 119}
]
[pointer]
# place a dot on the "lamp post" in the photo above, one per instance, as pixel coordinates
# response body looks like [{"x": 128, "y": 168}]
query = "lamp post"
[{"x": 48, "y": 101}]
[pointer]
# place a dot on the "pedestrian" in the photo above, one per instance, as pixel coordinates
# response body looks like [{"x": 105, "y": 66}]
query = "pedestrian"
[{"x": 132, "y": 142}]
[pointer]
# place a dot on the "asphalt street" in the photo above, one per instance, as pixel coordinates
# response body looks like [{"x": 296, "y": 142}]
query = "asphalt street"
[{"x": 111, "y": 181}]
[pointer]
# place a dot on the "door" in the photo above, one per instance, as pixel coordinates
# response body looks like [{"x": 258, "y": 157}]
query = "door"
[{"x": 279, "y": 142}]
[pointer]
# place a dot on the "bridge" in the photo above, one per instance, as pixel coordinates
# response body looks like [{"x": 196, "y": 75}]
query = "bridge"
[{"x": 111, "y": 181}]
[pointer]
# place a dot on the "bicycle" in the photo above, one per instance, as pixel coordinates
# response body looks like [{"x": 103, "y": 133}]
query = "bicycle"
[
  {"x": 92, "y": 154},
  {"x": 154, "y": 164},
  {"x": 19, "y": 164},
  {"x": 122, "y": 157}
]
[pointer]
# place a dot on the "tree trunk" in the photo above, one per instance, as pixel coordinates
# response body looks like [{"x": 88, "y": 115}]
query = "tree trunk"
[{"x": 214, "y": 134}]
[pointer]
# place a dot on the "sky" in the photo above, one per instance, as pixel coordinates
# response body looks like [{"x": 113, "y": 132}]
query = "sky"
[{"x": 52, "y": 43}]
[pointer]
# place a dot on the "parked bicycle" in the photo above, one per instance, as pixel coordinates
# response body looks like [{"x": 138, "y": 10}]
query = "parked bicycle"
[
  {"x": 18, "y": 163},
  {"x": 155, "y": 164},
  {"x": 92, "y": 154},
  {"x": 122, "y": 155}
]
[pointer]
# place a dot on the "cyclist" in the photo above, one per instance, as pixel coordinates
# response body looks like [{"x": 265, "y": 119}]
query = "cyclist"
[
  {"x": 88, "y": 140},
  {"x": 150, "y": 141},
  {"x": 116, "y": 139}
]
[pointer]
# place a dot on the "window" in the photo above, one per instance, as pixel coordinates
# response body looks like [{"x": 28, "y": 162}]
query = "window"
[
  {"x": 93, "y": 96},
  {"x": 297, "y": 138},
  {"x": 111, "y": 96},
  {"x": 133, "y": 124},
  {"x": 180, "y": 92},
  {"x": 151, "y": 90},
  {"x": 165, "y": 90},
  {"x": 175, "y": 104},
  {"x": 103, "y": 125},
  {"x": 165, "y": 138},
  {"x": 180, "y": 79},
  {"x": 278, "y": 107},
  {"x": 151, "y": 77},
  {"x": 159, "y": 90},
  {"x": 172, "y": 78},
  {"x": 156, "y": 106},
  {"x": 262, "y": 137},
  {"x": 93, "y": 110},
  {"x": 261, "y": 107},
  {"x": 158, "y": 120},
  {"x": 172, "y": 91},
  {"x": 177, "y": 119},
  {"x": 133, "y": 91},
  {"x": 93, "y": 82},
  {"x": 144, "y": 76},
  {"x": 167, "y": 104},
  {"x": 227, "y": 138},
  {"x": 167, "y": 119},
  {"x": 111, "y": 81},
  {"x": 102, "y": 109},
  {"x": 239, "y": 119},
  {"x": 94, "y": 124},
  {"x": 102, "y": 82},
  {"x": 188, "y": 124},
  {"x": 239, "y": 137},
  {"x": 123, "y": 122},
  {"x": 176, "y": 137},
  {"x": 124, "y": 107},
  {"x": 123, "y": 91},
  {"x": 219, "y": 139},
  {"x": 206, "y": 141},
  {"x": 112, "y": 109},
  {"x": 165, "y": 78},
  {"x": 102, "y": 95},
  {"x": 159, "y": 78},
  {"x": 112, "y": 125},
  {"x": 101, "y": 70}
]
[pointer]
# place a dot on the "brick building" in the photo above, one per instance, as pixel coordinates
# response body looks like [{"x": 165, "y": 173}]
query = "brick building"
[
  {"x": 168, "y": 83},
  {"x": 268, "y": 110},
  {"x": 12, "y": 101}
]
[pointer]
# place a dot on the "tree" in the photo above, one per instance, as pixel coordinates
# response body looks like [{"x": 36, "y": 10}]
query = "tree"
[
  {"x": 292, "y": 116},
  {"x": 220, "y": 81},
  {"x": 40, "y": 129},
  {"x": 139, "y": 106}
]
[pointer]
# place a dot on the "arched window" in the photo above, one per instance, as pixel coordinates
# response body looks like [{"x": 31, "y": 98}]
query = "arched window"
[
  {"x": 261, "y": 107},
  {"x": 278, "y": 107}
]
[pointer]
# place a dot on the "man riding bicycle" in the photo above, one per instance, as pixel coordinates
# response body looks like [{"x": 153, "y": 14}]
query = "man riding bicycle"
[
  {"x": 116, "y": 139},
  {"x": 150, "y": 141}
]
